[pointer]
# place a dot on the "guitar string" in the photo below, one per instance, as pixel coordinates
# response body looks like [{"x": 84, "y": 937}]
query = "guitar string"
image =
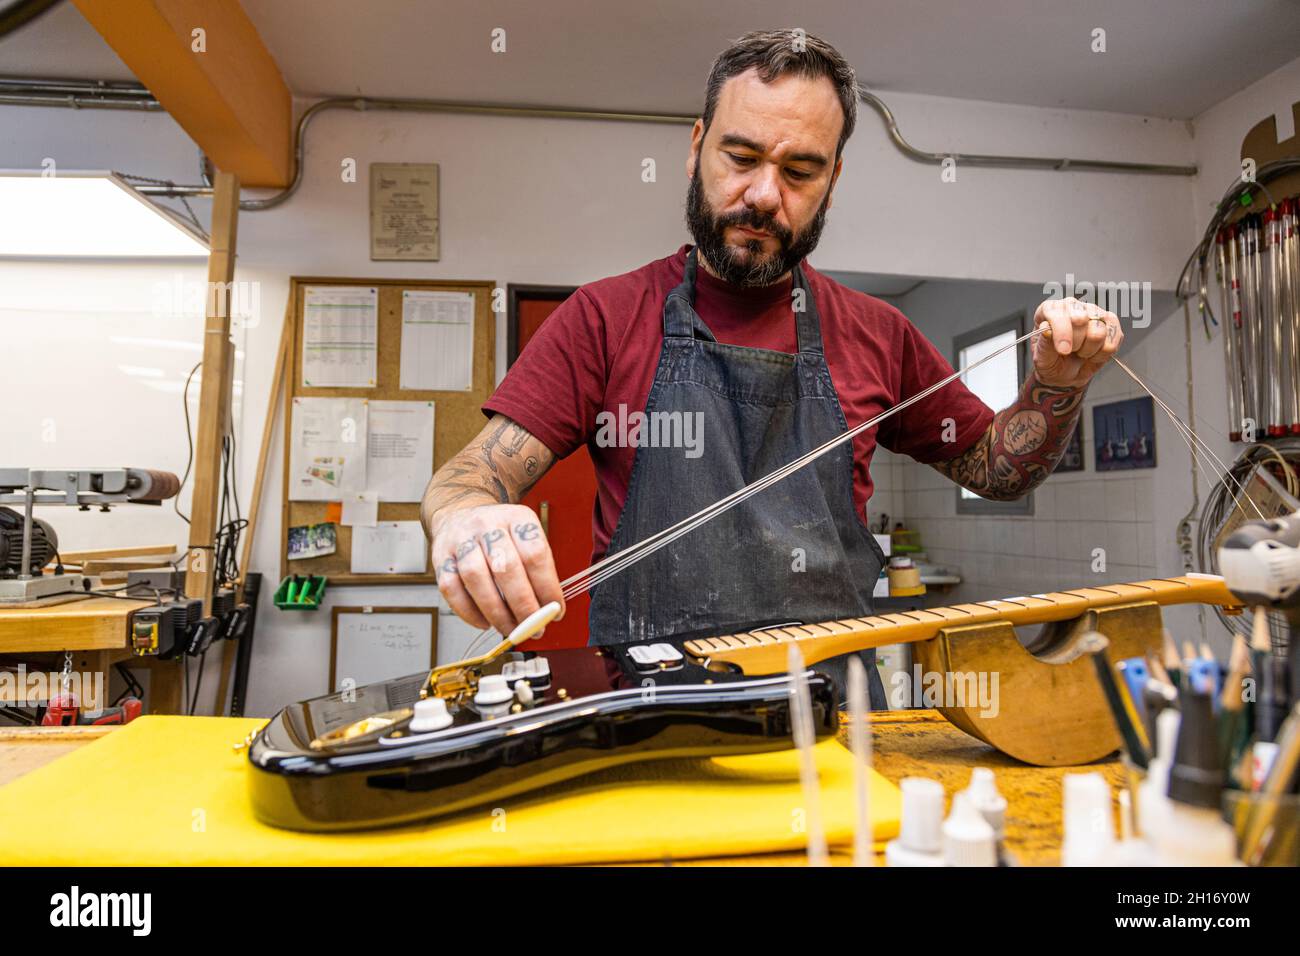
[
  {"x": 1194, "y": 442},
  {"x": 611, "y": 565},
  {"x": 649, "y": 545}
]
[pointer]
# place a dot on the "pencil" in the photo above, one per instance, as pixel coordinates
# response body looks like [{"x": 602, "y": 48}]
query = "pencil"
[
  {"x": 1173, "y": 663},
  {"x": 1122, "y": 710},
  {"x": 1234, "y": 736}
]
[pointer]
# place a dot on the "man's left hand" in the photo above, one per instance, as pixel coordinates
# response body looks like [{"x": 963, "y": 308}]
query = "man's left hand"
[{"x": 1083, "y": 337}]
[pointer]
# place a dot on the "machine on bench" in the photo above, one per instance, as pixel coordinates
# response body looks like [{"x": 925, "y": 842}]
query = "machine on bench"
[{"x": 28, "y": 544}]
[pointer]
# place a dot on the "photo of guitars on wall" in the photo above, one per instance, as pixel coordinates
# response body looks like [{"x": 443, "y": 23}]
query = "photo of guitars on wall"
[{"x": 1124, "y": 434}]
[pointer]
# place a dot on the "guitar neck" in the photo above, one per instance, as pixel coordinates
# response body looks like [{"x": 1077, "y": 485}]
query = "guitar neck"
[{"x": 765, "y": 651}]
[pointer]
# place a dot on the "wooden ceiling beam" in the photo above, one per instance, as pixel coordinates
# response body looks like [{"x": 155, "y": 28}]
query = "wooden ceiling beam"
[{"x": 207, "y": 66}]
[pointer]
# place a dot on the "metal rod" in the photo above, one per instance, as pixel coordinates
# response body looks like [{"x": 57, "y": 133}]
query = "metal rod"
[
  {"x": 161, "y": 190},
  {"x": 860, "y": 744},
  {"x": 805, "y": 739},
  {"x": 75, "y": 101},
  {"x": 1245, "y": 404},
  {"x": 1278, "y": 367},
  {"x": 29, "y": 494},
  {"x": 1229, "y": 341},
  {"x": 1291, "y": 308},
  {"x": 1249, "y": 357}
]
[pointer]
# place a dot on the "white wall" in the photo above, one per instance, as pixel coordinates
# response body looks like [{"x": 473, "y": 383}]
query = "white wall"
[
  {"x": 95, "y": 357},
  {"x": 562, "y": 201},
  {"x": 1132, "y": 515},
  {"x": 1073, "y": 513}
]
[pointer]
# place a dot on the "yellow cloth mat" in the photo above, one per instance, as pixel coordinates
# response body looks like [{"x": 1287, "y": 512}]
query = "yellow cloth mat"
[{"x": 167, "y": 791}]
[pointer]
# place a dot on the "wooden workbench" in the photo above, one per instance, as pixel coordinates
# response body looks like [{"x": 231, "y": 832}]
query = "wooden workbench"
[
  {"x": 905, "y": 743},
  {"x": 97, "y": 632}
]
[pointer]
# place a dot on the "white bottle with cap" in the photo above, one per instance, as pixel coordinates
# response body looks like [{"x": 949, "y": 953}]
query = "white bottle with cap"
[
  {"x": 967, "y": 837},
  {"x": 1089, "y": 820},
  {"x": 920, "y": 838},
  {"x": 984, "y": 796}
]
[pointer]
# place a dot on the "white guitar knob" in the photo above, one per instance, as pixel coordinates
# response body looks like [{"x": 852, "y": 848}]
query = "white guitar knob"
[
  {"x": 493, "y": 691},
  {"x": 430, "y": 714}
]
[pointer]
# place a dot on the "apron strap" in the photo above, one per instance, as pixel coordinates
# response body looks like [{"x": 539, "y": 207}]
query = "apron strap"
[
  {"x": 679, "y": 308},
  {"x": 807, "y": 321}
]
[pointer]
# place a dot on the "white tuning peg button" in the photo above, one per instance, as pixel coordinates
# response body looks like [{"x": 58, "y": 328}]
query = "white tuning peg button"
[
  {"x": 533, "y": 625},
  {"x": 430, "y": 714}
]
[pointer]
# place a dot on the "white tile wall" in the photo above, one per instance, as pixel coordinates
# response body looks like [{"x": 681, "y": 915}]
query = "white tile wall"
[{"x": 1074, "y": 514}]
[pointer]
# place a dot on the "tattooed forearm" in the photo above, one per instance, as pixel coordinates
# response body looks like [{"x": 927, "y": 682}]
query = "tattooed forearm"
[
  {"x": 498, "y": 467},
  {"x": 505, "y": 441},
  {"x": 1022, "y": 446}
]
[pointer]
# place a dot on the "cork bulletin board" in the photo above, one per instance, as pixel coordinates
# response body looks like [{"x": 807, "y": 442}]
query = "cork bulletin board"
[{"x": 457, "y": 416}]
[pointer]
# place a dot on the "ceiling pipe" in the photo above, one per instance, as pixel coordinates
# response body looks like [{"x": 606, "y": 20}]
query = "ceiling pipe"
[
  {"x": 1012, "y": 162},
  {"x": 93, "y": 94},
  {"x": 77, "y": 94}
]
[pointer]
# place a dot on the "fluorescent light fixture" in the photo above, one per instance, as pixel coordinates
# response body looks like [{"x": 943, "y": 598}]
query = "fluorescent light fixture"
[{"x": 88, "y": 215}]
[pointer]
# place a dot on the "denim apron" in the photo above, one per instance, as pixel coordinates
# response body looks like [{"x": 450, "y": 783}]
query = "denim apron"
[{"x": 797, "y": 551}]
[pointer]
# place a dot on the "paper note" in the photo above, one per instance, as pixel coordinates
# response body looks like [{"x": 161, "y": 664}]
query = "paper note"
[
  {"x": 391, "y": 547},
  {"x": 340, "y": 332},
  {"x": 399, "y": 456},
  {"x": 437, "y": 340},
  {"x": 361, "y": 510},
  {"x": 327, "y": 451}
]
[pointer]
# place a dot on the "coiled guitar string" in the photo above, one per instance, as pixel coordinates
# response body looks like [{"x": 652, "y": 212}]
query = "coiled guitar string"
[{"x": 1195, "y": 444}]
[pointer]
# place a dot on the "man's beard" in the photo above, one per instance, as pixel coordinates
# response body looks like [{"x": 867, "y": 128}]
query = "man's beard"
[{"x": 749, "y": 267}]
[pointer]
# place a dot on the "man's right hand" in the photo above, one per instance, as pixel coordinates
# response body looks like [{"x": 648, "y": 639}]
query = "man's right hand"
[{"x": 494, "y": 565}]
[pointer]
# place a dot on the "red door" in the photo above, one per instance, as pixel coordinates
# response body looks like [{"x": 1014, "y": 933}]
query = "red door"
[{"x": 564, "y": 499}]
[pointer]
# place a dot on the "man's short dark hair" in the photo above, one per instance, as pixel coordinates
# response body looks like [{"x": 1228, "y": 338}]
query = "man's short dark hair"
[{"x": 777, "y": 53}]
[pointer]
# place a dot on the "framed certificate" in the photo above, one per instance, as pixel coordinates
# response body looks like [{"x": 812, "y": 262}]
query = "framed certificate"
[{"x": 404, "y": 212}]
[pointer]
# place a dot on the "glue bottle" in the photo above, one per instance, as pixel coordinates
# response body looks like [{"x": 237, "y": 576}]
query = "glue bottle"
[
  {"x": 919, "y": 840},
  {"x": 985, "y": 798},
  {"x": 967, "y": 837},
  {"x": 1089, "y": 822}
]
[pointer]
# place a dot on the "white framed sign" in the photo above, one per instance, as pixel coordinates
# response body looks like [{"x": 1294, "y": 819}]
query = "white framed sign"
[{"x": 404, "y": 212}]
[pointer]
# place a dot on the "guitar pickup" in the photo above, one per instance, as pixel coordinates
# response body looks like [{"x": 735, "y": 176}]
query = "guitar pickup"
[{"x": 654, "y": 657}]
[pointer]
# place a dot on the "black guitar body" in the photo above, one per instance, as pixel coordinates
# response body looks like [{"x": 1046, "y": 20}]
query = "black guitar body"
[{"x": 598, "y": 707}]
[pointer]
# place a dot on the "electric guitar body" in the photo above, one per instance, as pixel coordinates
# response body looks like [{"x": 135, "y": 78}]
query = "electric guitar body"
[{"x": 351, "y": 760}]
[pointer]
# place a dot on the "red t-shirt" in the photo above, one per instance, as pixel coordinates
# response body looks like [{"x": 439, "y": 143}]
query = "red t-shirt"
[{"x": 600, "y": 348}]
